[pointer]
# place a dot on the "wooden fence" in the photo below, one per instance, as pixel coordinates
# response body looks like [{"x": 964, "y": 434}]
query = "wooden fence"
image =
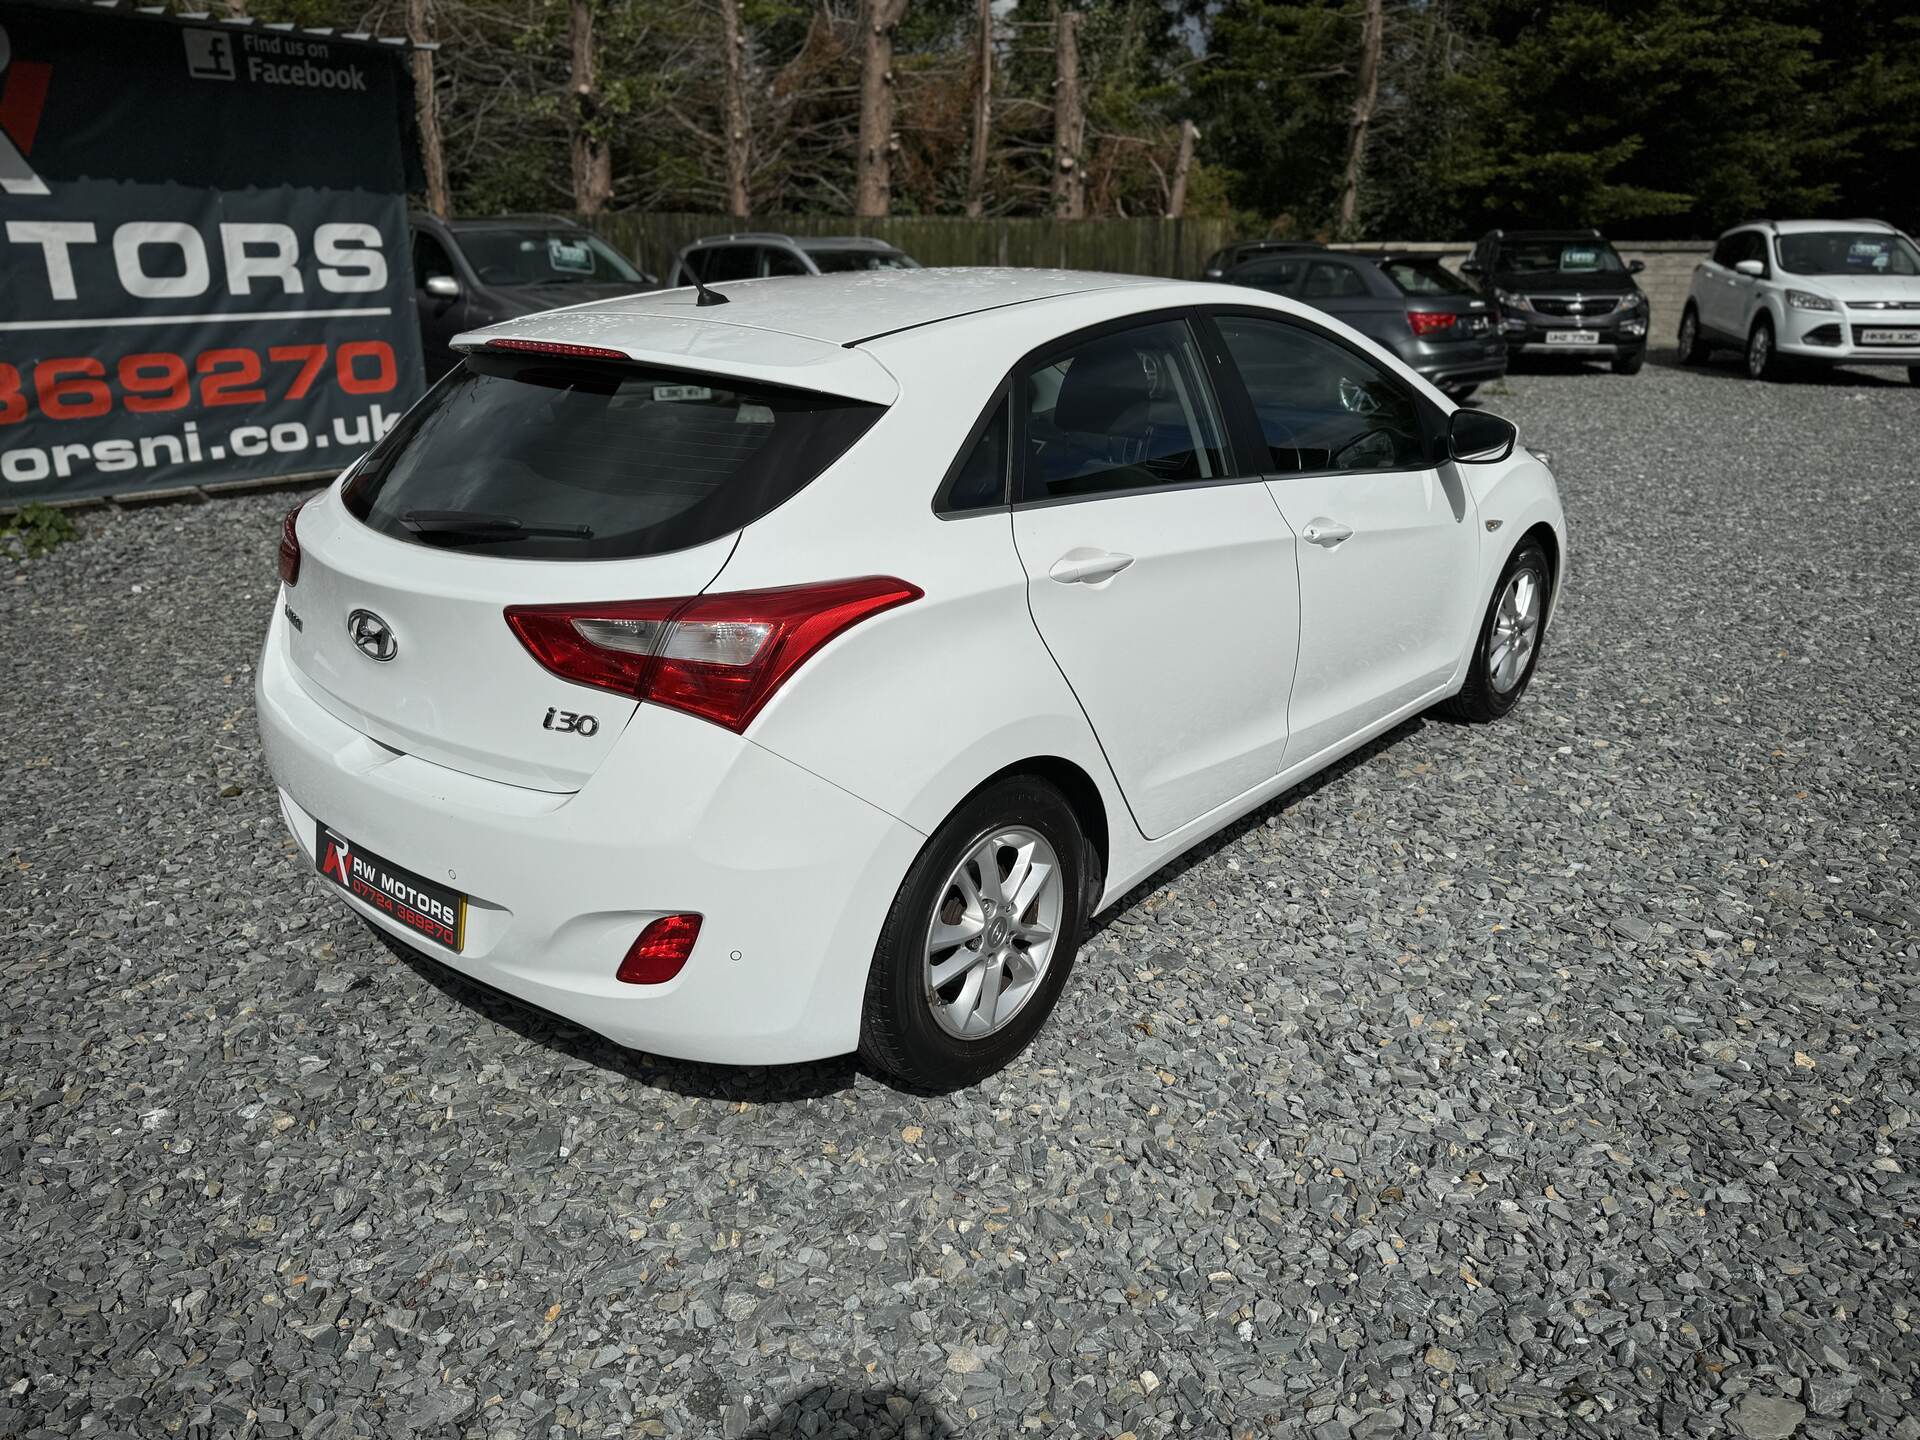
[{"x": 1130, "y": 247}]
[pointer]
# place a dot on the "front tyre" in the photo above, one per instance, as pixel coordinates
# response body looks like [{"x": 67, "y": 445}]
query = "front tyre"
[
  {"x": 1693, "y": 348},
  {"x": 1630, "y": 363},
  {"x": 1913, "y": 374},
  {"x": 1763, "y": 361},
  {"x": 1509, "y": 643},
  {"x": 980, "y": 938},
  {"x": 1459, "y": 393}
]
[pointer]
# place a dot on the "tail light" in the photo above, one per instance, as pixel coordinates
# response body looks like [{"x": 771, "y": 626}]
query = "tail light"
[
  {"x": 720, "y": 657},
  {"x": 1430, "y": 322},
  {"x": 661, "y": 950},
  {"x": 290, "y": 546}
]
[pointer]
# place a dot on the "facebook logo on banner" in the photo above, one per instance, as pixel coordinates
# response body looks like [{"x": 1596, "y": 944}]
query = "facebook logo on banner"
[{"x": 209, "y": 54}]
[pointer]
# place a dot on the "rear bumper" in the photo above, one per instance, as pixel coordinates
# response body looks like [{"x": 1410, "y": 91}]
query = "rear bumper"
[{"x": 791, "y": 875}]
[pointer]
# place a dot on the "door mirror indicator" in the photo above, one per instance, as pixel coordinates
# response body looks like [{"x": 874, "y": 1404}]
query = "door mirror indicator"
[
  {"x": 1750, "y": 267},
  {"x": 1476, "y": 438},
  {"x": 442, "y": 287}
]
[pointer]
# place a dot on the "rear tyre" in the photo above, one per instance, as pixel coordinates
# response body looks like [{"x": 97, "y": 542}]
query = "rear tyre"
[
  {"x": 1763, "y": 361},
  {"x": 980, "y": 939},
  {"x": 1629, "y": 364},
  {"x": 1509, "y": 643},
  {"x": 1693, "y": 348}
]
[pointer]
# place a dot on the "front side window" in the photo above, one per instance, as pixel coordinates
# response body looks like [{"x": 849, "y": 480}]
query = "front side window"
[
  {"x": 728, "y": 262},
  {"x": 1122, "y": 411},
  {"x": 1848, "y": 252},
  {"x": 1320, "y": 405},
  {"x": 516, "y": 257},
  {"x": 430, "y": 259},
  {"x": 783, "y": 262},
  {"x": 573, "y": 460}
]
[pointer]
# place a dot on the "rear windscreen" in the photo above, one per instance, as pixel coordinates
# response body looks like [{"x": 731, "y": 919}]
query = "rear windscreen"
[
  {"x": 592, "y": 461},
  {"x": 1425, "y": 277}
]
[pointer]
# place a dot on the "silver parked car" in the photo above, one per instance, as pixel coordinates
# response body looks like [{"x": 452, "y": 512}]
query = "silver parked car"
[{"x": 755, "y": 256}]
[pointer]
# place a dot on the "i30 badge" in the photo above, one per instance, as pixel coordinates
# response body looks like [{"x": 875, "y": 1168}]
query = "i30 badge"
[{"x": 371, "y": 635}]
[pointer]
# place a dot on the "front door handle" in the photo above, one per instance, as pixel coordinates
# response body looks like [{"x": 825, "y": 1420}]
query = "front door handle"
[
  {"x": 1322, "y": 531},
  {"x": 1082, "y": 566}
]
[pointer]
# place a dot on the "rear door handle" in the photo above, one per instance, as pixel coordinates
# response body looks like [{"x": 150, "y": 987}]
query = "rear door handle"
[
  {"x": 1322, "y": 531},
  {"x": 1083, "y": 566}
]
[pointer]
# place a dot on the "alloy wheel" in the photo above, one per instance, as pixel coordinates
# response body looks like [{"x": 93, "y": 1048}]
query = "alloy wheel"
[
  {"x": 1516, "y": 630},
  {"x": 993, "y": 932},
  {"x": 1759, "y": 351}
]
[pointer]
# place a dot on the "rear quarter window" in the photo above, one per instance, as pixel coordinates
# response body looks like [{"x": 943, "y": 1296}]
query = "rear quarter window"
[{"x": 579, "y": 461}]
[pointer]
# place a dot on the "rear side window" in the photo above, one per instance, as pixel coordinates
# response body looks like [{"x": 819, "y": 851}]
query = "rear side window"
[
  {"x": 1281, "y": 275},
  {"x": 564, "y": 460},
  {"x": 1121, "y": 411},
  {"x": 1425, "y": 277},
  {"x": 980, "y": 479},
  {"x": 728, "y": 262},
  {"x": 1332, "y": 280}
]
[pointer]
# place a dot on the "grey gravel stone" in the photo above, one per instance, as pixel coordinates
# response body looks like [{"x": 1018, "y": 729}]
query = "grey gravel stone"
[{"x": 1568, "y": 1048}]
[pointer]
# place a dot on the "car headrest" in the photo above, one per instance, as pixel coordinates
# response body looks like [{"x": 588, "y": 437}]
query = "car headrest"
[{"x": 1104, "y": 382}]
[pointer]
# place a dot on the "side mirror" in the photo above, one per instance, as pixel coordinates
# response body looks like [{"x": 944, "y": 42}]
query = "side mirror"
[
  {"x": 442, "y": 287},
  {"x": 1634, "y": 267},
  {"x": 1476, "y": 438},
  {"x": 1750, "y": 267},
  {"x": 1474, "y": 267}
]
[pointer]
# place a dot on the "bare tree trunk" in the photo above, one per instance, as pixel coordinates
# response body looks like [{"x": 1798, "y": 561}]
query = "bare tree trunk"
[
  {"x": 1069, "y": 120},
  {"x": 982, "y": 113},
  {"x": 874, "y": 192},
  {"x": 739, "y": 137},
  {"x": 433, "y": 154},
  {"x": 1182, "y": 163},
  {"x": 1372, "y": 33},
  {"x": 592, "y": 155}
]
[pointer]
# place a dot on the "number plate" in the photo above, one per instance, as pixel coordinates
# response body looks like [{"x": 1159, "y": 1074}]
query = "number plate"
[
  {"x": 1890, "y": 337},
  {"x": 416, "y": 902},
  {"x": 1573, "y": 337}
]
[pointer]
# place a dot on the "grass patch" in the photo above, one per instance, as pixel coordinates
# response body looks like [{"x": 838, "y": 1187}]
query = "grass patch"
[{"x": 36, "y": 529}]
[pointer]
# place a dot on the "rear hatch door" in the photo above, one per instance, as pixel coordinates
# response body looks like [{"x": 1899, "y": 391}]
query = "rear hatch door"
[{"x": 532, "y": 480}]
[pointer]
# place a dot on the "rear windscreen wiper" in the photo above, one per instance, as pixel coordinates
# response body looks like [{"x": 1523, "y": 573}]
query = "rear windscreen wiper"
[{"x": 477, "y": 525}]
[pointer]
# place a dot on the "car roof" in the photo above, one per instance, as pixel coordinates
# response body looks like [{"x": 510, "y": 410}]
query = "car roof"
[
  {"x": 800, "y": 242},
  {"x": 846, "y": 309},
  {"x": 502, "y": 222},
  {"x": 1801, "y": 227},
  {"x": 803, "y": 330},
  {"x": 1587, "y": 234}
]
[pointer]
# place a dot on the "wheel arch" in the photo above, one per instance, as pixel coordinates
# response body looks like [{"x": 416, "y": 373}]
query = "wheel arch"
[{"x": 1082, "y": 795}]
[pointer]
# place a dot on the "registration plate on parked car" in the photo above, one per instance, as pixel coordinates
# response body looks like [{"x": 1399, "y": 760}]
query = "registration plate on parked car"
[
  {"x": 1890, "y": 337},
  {"x": 416, "y": 902},
  {"x": 1572, "y": 337}
]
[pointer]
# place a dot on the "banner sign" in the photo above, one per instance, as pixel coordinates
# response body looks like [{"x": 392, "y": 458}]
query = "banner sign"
[{"x": 204, "y": 267}]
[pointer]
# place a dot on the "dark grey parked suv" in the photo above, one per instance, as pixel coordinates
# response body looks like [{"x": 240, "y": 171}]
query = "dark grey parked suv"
[
  {"x": 469, "y": 273},
  {"x": 1412, "y": 304},
  {"x": 1564, "y": 292}
]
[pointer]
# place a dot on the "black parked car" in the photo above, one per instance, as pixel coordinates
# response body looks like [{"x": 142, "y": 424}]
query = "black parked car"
[
  {"x": 1410, "y": 303},
  {"x": 1564, "y": 292},
  {"x": 469, "y": 273}
]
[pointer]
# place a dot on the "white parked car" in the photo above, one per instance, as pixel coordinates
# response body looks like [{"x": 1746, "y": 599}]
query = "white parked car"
[
  {"x": 1826, "y": 292},
  {"x": 759, "y": 682}
]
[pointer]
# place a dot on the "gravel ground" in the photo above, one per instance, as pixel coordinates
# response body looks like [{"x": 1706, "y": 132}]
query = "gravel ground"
[{"x": 1551, "y": 1078}]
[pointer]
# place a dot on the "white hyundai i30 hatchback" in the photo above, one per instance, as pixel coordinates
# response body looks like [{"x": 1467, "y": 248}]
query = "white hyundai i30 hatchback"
[{"x": 763, "y": 680}]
